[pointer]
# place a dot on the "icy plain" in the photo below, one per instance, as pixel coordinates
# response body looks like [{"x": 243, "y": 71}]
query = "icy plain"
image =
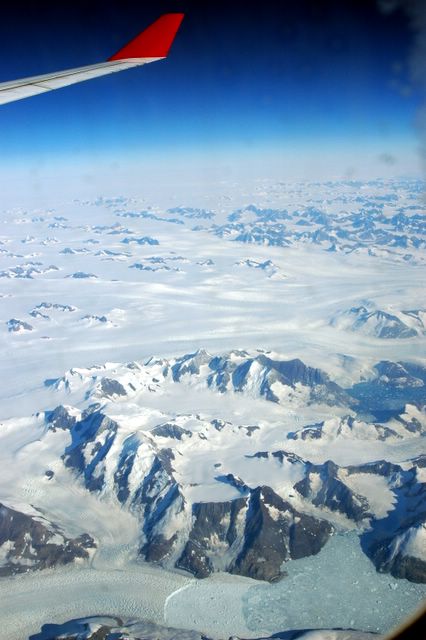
[{"x": 275, "y": 268}]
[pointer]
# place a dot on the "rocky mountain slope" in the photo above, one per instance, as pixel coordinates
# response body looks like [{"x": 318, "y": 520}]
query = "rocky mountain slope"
[
  {"x": 214, "y": 495},
  {"x": 30, "y": 542}
]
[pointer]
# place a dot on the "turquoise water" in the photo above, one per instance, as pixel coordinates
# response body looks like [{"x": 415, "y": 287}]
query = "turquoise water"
[{"x": 338, "y": 588}]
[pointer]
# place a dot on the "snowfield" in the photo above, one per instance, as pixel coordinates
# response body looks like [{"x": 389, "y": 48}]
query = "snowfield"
[{"x": 229, "y": 389}]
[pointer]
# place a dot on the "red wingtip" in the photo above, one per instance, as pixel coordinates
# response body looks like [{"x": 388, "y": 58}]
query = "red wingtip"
[{"x": 153, "y": 42}]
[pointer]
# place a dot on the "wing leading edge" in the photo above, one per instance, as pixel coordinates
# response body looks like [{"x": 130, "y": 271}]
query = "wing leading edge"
[{"x": 149, "y": 46}]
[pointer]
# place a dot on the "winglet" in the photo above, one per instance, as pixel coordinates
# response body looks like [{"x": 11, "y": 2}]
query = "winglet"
[{"x": 153, "y": 42}]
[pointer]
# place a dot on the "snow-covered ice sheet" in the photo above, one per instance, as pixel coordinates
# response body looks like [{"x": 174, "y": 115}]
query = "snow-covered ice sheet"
[
  {"x": 29, "y": 601},
  {"x": 117, "y": 281},
  {"x": 127, "y": 314}
]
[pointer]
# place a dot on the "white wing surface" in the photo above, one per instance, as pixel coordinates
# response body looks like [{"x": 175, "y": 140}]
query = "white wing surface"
[{"x": 149, "y": 46}]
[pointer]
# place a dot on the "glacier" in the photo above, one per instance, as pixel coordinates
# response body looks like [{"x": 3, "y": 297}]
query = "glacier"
[{"x": 226, "y": 388}]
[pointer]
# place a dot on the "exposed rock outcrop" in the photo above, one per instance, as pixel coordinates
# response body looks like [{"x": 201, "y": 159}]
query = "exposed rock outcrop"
[{"x": 29, "y": 542}]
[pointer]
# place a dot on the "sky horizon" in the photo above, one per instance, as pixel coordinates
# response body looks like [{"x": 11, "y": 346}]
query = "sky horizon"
[{"x": 314, "y": 91}]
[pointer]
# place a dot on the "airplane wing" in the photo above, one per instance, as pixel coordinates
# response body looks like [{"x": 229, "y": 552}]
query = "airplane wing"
[{"x": 149, "y": 46}]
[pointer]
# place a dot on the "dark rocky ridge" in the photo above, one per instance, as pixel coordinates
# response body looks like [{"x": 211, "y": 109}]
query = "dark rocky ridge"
[
  {"x": 208, "y": 536},
  {"x": 379, "y": 323},
  {"x": 60, "y": 418},
  {"x": 276, "y": 532},
  {"x": 327, "y": 490},
  {"x": 37, "y": 543},
  {"x": 108, "y": 628},
  {"x": 225, "y": 373},
  {"x": 366, "y": 229},
  {"x": 347, "y": 424},
  {"x": 385, "y": 541},
  {"x": 17, "y": 326},
  {"x": 250, "y": 536}
]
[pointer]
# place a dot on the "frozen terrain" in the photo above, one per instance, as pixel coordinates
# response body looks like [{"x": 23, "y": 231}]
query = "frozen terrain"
[{"x": 229, "y": 388}]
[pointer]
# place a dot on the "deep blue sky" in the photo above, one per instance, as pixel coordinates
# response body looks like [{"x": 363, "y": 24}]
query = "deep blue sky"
[{"x": 241, "y": 77}]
